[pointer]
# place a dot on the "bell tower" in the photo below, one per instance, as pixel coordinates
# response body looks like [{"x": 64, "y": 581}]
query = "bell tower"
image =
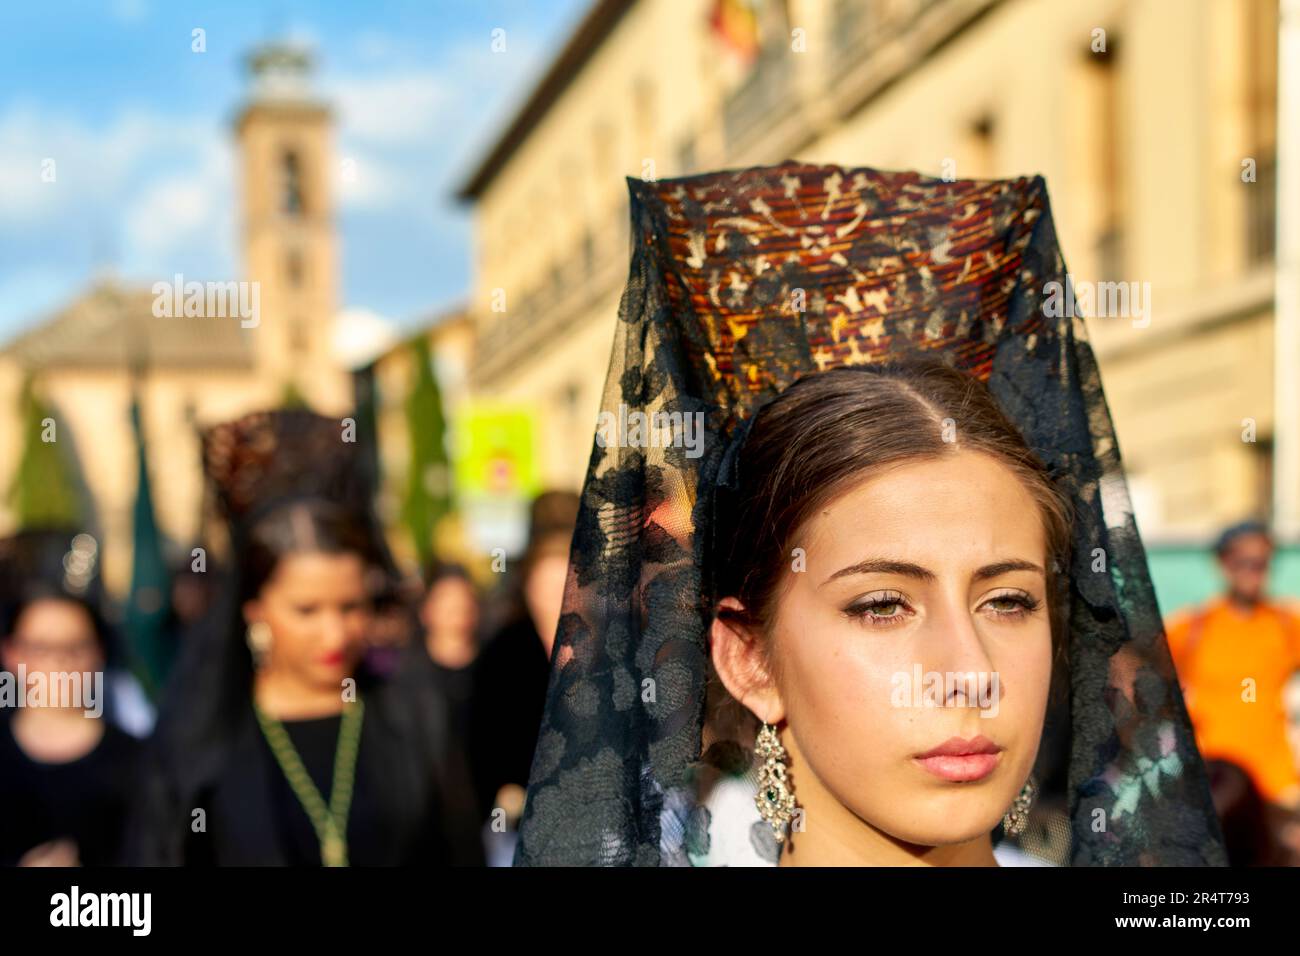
[{"x": 284, "y": 134}]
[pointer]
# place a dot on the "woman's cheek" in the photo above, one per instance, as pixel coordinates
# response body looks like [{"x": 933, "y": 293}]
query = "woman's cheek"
[
  {"x": 1023, "y": 672},
  {"x": 297, "y": 636},
  {"x": 839, "y": 703}
]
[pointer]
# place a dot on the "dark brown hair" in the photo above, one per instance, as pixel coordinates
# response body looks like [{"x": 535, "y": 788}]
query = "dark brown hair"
[
  {"x": 308, "y": 525},
  {"x": 833, "y": 429}
]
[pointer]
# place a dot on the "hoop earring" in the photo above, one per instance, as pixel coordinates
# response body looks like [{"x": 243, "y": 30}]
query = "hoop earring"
[
  {"x": 775, "y": 799},
  {"x": 1017, "y": 818},
  {"x": 258, "y": 637}
]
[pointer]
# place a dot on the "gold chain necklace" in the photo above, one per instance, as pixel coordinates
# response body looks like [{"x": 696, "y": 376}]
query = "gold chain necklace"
[{"x": 329, "y": 822}]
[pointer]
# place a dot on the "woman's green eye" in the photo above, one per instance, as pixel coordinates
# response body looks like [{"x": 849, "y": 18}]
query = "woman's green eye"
[
  {"x": 880, "y": 609},
  {"x": 1013, "y": 604}
]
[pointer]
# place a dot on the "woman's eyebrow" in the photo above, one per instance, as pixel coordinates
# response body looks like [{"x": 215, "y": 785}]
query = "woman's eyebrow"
[
  {"x": 883, "y": 566},
  {"x": 1006, "y": 567},
  {"x": 907, "y": 569}
]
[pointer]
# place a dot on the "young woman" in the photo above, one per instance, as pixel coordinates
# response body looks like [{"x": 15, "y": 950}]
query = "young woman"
[
  {"x": 278, "y": 746},
  {"x": 930, "y": 542},
  {"x": 817, "y": 601},
  {"x": 510, "y": 674},
  {"x": 449, "y": 614},
  {"x": 68, "y": 771}
]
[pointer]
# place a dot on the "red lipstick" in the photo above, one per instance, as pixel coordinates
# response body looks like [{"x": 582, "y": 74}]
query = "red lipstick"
[{"x": 961, "y": 760}]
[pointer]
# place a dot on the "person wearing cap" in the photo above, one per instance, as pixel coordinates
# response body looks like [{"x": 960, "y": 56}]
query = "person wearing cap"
[{"x": 1237, "y": 656}]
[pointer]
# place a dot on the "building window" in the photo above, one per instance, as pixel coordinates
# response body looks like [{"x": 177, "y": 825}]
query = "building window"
[
  {"x": 1261, "y": 123},
  {"x": 298, "y": 343},
  {"x": 291, "y": 184},
  {"x": 1264, "y": 465},
  {"x": 981, "y": 147},
  {"x": 570, "y": 397},
  {"x": 1103, "y": 91},
  {"x": 293, "y": 271}
]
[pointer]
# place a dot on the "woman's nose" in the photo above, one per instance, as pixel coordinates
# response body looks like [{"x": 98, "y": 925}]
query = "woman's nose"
[
  {"x": 334, "y": 629},
  {"x": 959, "y": 650}
]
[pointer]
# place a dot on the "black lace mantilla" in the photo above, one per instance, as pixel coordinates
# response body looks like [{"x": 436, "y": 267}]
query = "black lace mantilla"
[{"x": 885, "y": 265}]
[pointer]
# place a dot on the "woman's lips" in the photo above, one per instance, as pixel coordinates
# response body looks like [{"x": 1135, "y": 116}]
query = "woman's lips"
[
  {"x": 961, "y": 760},
  {"x": 334, "y": 659},
  {"x": 960, "y": 769}
]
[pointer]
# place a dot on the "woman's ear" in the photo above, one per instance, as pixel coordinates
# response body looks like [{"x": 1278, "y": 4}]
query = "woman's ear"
[
  {"x": 741, "y": 662},
  {"x": 252, "y": 611}
]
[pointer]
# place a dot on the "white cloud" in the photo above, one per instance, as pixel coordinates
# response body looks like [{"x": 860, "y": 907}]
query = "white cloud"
[
  {"x": 188, "y": 207},
  {"x": 361, "y": 336},
  {"x": 153, "y": 189},
  {"x": 128, "y": 11},
  {"x": 392, "y": 109},
  {"x": 364, "y": 181},
  {"x": 91, "y": 165},
  {"x": 408, "y": 127}
]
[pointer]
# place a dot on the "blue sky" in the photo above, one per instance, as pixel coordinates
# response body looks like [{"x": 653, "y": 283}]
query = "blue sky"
[{"x": 139, "y": 128}]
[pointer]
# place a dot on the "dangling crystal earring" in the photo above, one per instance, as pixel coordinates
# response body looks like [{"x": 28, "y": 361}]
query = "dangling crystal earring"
[
  {"x": 775, "y": 799},
  {"x": 1017, "y": 818},
  {"x": 258, "y": 637}
]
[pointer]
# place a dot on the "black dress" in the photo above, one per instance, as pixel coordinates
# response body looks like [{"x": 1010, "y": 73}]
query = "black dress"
[
  {"x": 456, "y": 685},
  {"x": 85, "y": 800},
  {"x": 505, "y": 711},
  {"x": 251, "y": 816}
]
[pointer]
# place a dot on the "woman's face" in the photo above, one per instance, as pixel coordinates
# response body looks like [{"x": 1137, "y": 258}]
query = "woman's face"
[
  {"x": 451, "y": 607},
  {"x": 53, "y": 636},
  {"x": 544, "y": 595},
  {"x": 920, "y": 620},
  {"x": 318, "y": 609}
]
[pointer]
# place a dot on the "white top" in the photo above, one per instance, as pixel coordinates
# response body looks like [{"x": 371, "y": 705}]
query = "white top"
[{"x": 738, "y": 836}]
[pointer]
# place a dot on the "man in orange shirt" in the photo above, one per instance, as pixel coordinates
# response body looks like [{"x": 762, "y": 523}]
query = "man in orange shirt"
[{"x": 1236, "y": 655}]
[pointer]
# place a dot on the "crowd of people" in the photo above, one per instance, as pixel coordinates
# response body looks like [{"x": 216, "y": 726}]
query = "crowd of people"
[
  {"x": 286, "y": 738},
  {"x": 267, "y": 763},
  {"x": 289, "y": 734},
  {"x": 321, "y": 710}
]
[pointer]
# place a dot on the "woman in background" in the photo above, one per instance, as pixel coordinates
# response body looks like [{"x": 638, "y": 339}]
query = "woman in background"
[
  {"x": 445, "y": 656},
  {"x": 450, "y": 616},
  {"x": 67, "y": 772},
  {"x": 277, "y": 745},
  {"x": 510, "y": 676}
]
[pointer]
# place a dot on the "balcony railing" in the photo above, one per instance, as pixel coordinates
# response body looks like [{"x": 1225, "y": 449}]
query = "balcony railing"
[
  {"x": 859, "y": 28},
  {"x": 564, "y": 294},
  {"x": 853, "y": 32},
  {"x": 766, "y": 92}
]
